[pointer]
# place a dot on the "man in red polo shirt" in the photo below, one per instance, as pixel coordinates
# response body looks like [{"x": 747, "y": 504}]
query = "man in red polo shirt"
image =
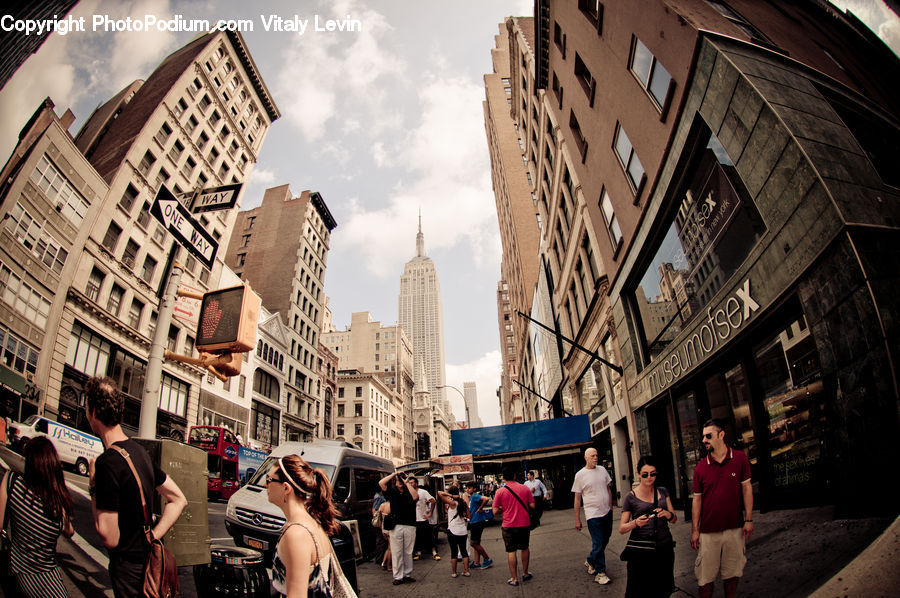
[{"x": 722, "y": 512}]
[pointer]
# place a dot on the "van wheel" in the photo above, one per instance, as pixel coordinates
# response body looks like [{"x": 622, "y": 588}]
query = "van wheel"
[{"x": 81, "y": 466}]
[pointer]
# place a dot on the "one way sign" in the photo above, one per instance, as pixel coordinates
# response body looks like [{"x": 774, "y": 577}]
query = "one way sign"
[{"x": 177, "y": 220}]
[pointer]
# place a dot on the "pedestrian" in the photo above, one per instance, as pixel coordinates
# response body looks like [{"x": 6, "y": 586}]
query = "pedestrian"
[
  {"x": 401, "y": 494},
  {"x": 538, "y": 492},
  {"x": 510, "y": 501},
  {"x": 116, "y": 505},
  {"x": 722, "y": 512},
  {"x": 592, "y": 488},
  {"x": 385, "y": 510},
  {"x": 424, "y": 527},
  {"x": 301, "y": 564},
  {"x": 479, "y": 514},
  {"x": 40, "y": 509},
  {"x": 457, "y": 528},
  {"x": 381, "y": 542},
  {"x": 646, "y": 514}
]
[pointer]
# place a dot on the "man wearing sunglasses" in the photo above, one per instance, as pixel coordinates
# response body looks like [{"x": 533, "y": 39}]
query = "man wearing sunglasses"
[{"x": 722, "y": 512}]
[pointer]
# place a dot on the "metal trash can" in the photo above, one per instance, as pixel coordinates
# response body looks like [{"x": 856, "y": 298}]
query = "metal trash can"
[{"x": 232, "y": 572}]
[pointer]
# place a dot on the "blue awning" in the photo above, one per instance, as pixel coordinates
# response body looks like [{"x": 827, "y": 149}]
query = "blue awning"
[{"x": 513, "y": 438}]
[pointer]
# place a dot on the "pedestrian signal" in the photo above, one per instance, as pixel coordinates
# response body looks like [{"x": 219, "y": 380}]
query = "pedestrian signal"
[{"x": 228, "y": 319}]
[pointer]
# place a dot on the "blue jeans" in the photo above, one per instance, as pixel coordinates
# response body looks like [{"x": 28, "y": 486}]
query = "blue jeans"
[{"x": 600, "y": 529}]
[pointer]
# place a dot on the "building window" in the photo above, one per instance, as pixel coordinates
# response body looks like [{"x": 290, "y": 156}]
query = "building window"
[
  {"x": 628, "y": 159},
  {"x": 557, "y": 89},
  {"x": 580, "y": 140},
  {"x": 58, "y": 190},
  {"x": 593, "y": 10},
  {"x": 22, "y": 298},
  {"x": 266, "y": 385},
  {"x": 87, "y": 352},
  {"x": 715, "y": 226},
  {"x": 588, "y": 83},
  {"x": 359, "y": 391},
  {"x": 111, "y": 238},
  {"x": 205, "y": 103},
  {"x": 358, "y": 410},
  {"x": 115, "y": 300},
  {"x": 609, "y": 217},
  {"x": 92, "y": 289},
  {"x": 16, "y": 354},
  {"x": 146, "y": 163},
  {"x": 340, "y": 430},
  {"x": 41, "y": 244},
  {"x": 358, "y": 429},
  {"x": 180, "y": 107},
  {"x": 340, "y": 410},
  {"x": 559, "y": 38},
  {"x": 341, "y": 392},
  {"x": 134, "y": 313},
  {"x": 143, "y": 217},
  {"x": 163, "y": 134},
  {"x": 242, "y": 385},
  {"x": 148, "y": 269},
  {"x": 128, "y": 198},
  {"x": 650, "y": 74},
  {"x": 130, "y": 253},
  {"x": 264, "y": 423},
  {"x": 191, "y": 123}
]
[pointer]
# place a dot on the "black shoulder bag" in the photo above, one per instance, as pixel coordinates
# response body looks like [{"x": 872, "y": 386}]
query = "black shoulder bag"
[
  {"x": 532, "y": 517},
  {"x": 637, "y": 548}
]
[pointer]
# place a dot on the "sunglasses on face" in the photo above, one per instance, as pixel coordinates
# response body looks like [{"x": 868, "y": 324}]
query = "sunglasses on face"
[
  {"x": 709, "y": 435},
  {"x": 648, "y": 474},
  {"x": 270, "y": 479}
]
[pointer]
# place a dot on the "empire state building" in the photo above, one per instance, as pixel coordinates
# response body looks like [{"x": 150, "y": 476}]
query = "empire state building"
[{"x": 422, "y": 317}]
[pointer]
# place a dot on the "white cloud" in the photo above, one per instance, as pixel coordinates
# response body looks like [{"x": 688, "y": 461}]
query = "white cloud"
[
  {"x": 260, "y": 180},
  {"x": 326, "y": 75},
  {"x": 133, "y": 55},
  {"x": 878, "y": 17},
  {"x": 485, "y": 373},
  {"x": 450, "y": 181}
]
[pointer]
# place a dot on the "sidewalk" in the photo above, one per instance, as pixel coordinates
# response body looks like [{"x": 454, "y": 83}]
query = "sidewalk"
[{"x": 792, "y": 553}]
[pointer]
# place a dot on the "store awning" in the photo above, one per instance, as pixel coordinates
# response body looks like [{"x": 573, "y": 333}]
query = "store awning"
[{"x": 12, "y": 381}]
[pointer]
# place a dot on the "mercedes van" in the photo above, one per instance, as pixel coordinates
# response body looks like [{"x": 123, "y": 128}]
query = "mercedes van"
[
  {"x": 75, "y": 447},
  {"x": 254, "y": 522}
]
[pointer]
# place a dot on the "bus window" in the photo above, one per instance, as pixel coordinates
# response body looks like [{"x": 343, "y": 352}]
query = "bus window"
[
  {"x": 230, "y": 437},
  {"x": 214, "y": 464},
  {"x": 229, "y": 471}
]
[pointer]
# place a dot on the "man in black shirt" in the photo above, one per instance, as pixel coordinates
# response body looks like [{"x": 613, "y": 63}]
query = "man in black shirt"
[{"x": 115, "y": 502}]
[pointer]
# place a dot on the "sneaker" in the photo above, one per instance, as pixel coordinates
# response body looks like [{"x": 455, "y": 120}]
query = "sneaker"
[
  {"x": 435, "y": 556},
  {"x": 602, "y": 578},
  {"x": 408, "y": 579},
  {"x": 397, "y": 582},
  {"x": 527, "y": 577},
  {"x": 590, "y": 568},
  {"x": 454, "y": 575},
  {"x": 512, "y": 582},
  {"x": 466, "y": 574},
  {"x": 475, "y": 566},
  {"x": 417, "y": 556},
  {"x": 487, "y": 563}
]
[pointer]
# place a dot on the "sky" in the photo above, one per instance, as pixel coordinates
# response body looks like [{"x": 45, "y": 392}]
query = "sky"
[{"x": 383, "y": 122}]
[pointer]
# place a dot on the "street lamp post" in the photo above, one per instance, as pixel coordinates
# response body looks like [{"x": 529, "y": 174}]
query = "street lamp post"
[{"x": 465, "y": 404}]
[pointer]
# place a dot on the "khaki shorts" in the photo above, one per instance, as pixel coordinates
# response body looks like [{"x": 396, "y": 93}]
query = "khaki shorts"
[{"x": 720, "y": 552}]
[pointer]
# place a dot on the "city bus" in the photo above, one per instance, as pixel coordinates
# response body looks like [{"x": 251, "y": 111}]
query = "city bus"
[{"x": 222, "y": 448}]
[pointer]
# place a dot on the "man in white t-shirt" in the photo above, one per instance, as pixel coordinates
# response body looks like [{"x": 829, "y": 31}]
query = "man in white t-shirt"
[
  {"x": 592, "y": 488},
  {"x": 425, "y": 512}
]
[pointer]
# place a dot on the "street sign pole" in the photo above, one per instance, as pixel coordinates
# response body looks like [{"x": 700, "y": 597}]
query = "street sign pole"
[{"x": 153, "y": 378}]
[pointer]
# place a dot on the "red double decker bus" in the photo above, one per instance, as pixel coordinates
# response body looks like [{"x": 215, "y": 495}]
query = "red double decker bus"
[{"x": 222, "y": 448}]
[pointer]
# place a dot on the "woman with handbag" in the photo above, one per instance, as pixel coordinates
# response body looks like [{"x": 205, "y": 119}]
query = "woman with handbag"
[
  {"x": 304, "y": 563},
  {"x": 646, "y": 513},
  {"x": 38, "y": 507}
]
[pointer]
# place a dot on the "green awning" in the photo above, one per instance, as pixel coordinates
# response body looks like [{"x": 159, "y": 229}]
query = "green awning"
[{"x": 12, "y": 381}]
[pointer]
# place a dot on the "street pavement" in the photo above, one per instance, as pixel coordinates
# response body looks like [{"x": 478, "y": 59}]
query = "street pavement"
[{"x": 792, "y": 553}]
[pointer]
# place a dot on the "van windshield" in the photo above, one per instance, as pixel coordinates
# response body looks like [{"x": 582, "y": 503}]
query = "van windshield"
[
  {"x": 259, "y": 478},
  {"x": 31, "y": 419}
]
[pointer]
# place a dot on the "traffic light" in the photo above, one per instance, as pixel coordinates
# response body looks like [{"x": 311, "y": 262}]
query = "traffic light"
[{"x": 228, "y": 320}]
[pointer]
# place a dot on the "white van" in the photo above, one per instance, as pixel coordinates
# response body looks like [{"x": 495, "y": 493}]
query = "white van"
[{"x": 74, "y": 446}]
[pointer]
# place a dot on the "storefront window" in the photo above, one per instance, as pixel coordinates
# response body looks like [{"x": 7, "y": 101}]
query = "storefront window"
[
  {"x": 793, "y": 394},
  {"x": 686, "y": 406},
  {"x": 710, "y": 234},
  {"x": 264, "y": 421}
]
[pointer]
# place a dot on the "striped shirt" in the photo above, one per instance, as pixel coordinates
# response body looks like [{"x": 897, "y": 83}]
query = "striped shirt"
[{"x": 32, "y": 534}]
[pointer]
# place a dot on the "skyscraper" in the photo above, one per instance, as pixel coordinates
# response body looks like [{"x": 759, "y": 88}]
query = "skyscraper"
[{"x": 422, "y": 318}]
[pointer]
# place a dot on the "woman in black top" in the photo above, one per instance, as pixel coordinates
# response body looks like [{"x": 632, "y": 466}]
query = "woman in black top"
[
  {"x": 402, "y": 495},
  {"x": 646, "y": 513}
]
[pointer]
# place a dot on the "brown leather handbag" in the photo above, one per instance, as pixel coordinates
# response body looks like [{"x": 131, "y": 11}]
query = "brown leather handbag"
[{"x": 161, "y": 572}]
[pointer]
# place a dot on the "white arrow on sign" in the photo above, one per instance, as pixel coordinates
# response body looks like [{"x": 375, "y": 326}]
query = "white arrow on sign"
[{"x": 186, "y": 227}]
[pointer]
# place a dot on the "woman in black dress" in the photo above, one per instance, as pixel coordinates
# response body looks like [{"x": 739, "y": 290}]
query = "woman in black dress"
[{"x": 646, "y": 514}]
